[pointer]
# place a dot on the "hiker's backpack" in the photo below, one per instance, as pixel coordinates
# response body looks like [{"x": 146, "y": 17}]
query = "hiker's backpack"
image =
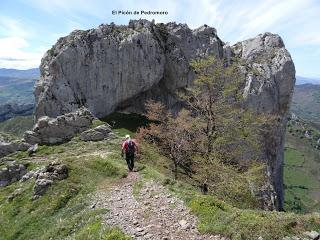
[{"x": 130, "y": 149}]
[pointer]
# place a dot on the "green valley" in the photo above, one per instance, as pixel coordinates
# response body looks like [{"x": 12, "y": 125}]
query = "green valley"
[
  {"x": 301, "y": 169},
  {"x": 306, "y": 102}
]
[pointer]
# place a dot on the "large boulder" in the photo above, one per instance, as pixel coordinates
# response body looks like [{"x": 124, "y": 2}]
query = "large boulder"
[
  {"x": 11, "y": 147},
  {"x": 46, "y": 176},
  {"x": 120, "y": 67},
  {"x": 11, "y": 172},
  {"x": 60, "y": 129},
  {"x": 96, "y": 134},
  {"x": 41, "y": 186}
]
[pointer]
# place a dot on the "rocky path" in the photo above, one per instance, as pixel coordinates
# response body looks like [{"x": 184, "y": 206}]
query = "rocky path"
[{"x": 154, "y": 213}]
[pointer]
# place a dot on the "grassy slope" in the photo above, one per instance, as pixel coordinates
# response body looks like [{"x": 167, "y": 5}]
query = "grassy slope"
[
  {"x": 302, "y": 159},
  {"x": 301, "y": 177},
  {"x": 219, "y": 217},
  {"x": 64, "y": 211},
  {"x": 306, "y": 102}
]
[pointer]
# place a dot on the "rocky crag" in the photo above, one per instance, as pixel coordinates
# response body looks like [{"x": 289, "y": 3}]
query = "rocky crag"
[
  {"x": 60, "y": 129},
  {"x": 119, "y": 67},
  {"x": 7, "y": 147},
  {"x": 50, "y": 131}
]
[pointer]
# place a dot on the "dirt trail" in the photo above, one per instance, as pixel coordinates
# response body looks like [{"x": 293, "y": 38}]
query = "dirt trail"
[{"x": 154, "y": 213}]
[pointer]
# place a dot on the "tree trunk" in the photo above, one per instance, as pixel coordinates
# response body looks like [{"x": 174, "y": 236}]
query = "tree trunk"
[{"x": 175, "y": 170}]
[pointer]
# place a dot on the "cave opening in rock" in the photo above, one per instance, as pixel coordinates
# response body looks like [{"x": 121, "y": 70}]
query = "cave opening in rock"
[{"x": 129, "y": 121}]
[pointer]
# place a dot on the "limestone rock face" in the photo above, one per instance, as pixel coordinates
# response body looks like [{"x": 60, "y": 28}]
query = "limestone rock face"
[
  {"x": 104, "y": 67},
  {"x": 119, "y": 67},
  {"x": 270, "y": 79},
  {"x": 60, "y": 129}
]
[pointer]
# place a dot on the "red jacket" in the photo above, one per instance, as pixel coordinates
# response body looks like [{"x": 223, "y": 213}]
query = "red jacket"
[{"x": 125, "y": 145}]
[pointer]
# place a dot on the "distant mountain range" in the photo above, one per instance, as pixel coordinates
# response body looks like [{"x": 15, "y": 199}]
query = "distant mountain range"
[
  {"x": 16, "y": 92},
  {"x": 15, "y": 73},
  {"x": 16, "y": 86},
  {"x": 303, "y": 80},
  {"x": 35, "y": 73},
  {"x": 306, "y": 102}
]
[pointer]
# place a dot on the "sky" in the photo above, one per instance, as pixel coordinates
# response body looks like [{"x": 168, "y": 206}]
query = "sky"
[{"x": 29, "y": 27}]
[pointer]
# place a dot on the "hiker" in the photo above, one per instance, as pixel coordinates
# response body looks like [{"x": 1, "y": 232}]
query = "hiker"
[{"x": 129, "y": 147}]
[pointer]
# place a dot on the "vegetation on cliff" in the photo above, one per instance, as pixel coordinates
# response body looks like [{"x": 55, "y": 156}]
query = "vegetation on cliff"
[{"x": 214, "y": 141}]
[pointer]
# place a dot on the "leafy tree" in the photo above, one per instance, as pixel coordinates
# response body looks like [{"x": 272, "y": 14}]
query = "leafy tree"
[
  {"x": 230, "y": 132},
  {"x": 215, "y": 136},
  {"x": 173, "y": 135}
]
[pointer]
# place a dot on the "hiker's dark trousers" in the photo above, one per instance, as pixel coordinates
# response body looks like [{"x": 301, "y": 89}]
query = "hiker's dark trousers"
[{"x": 130, "y": 161}]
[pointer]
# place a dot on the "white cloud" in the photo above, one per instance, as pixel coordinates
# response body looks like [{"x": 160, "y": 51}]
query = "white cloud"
[
  {"x": 235, "y": 20},
  {"x": 14, "y": 45},
  {"x": 13, "y": 27},
  {"x": 79, "y": 10},
  {"x": 13, "y": 54},
  {"x": 309, "y": 39},
  {"x": 296, "y": 21},
  {"x": 198, "y": 13},
  {"x": 269, "y": 15},
  {"x": 238, "y": 20}
]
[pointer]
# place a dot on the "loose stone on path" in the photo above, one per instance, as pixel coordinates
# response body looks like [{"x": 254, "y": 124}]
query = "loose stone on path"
[{"x": 150, "y": 215}]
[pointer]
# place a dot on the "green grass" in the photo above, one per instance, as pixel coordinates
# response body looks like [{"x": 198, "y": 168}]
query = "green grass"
[
  {"x": 305, "y": 102},
  {"x": 97, "y": 123},
  {"x": 301, "y": 178},
  {"x": 7, "y": 137},
  {"x": 219, "y": 214},
  {"x": 294, "y": 157},
  {"x": 297, "y": 177},
  {"x": 64, "y": 211},
  {"x": 95, "y": 230},
  {"x": 218, "y": 217}
]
